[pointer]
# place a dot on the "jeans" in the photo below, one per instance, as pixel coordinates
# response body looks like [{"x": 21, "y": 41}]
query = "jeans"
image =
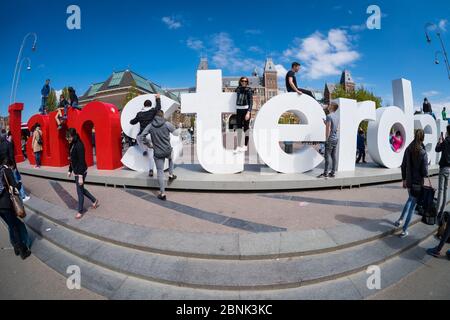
[
  {"x": 82, "y": 192},
  {"x": 19, "y": 179},
  {"x": 361, "y": 154},
  {"x": 160, "y": 168},
  {"x": 408, "y": 210},
  {"x": 43, "y": 103},
  {"x": 37, "y": 156},
  {"x": 442, "y": 191},
  {"x": 330, "y": 150},
  {"x": 444, "y": 238},
  {"x": 18, "y": 234}
]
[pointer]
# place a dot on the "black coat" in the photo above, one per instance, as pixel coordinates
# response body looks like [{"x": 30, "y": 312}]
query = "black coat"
[
  {"x": 5, "y": 201},
  {"x": 444, "y": 147},
  {"x": 414, "y": 169},
  {"x": 6, "y": 151},
  {"x": 77, "y": 157},
  {"x": 144, "y": 118}
]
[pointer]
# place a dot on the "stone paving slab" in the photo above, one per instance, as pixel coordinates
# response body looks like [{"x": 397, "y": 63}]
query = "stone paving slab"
[
  {"x": 222, "y": 246},
  {"x": 231, "y": 274},
  {"x": 192, "y": 177},
  {"x": 122, "y": 287}
]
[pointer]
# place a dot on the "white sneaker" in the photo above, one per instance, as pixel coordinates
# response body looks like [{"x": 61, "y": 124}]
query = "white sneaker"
[
  {"x": 404, "y": 234},
  {"x": 244, "y": 149},
  {"x": 398, "y": 223},
  {"x": 26, "y": 199},
  {"x": 239, "y": 150}
]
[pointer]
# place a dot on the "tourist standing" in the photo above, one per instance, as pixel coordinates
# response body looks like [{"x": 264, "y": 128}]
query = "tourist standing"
[
  {"x": 331, "y": 135},
  {"x": 78, "y": 167},
  {"x": 291, "y": 79},
  {"x": 45, "y": 92},
  {"x": 414, "y": 171},
  {"x": 144, "y": 118},
  {"x": 36, "y": 144},
  {"x": 160, "y": 131},
  {"x": 444, "y": 171},
  {"x": 444, "y": 114},
  {"x": 244, "y": 105},
  {"x": 73, "y": 98},
  {"x": 361, "y": 146},
  {"x": 17, "y": 231}
]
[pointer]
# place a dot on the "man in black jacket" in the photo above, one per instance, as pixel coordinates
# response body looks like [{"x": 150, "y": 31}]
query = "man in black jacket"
[
  {"x": 444, "y": 170},
  {"x": 144, "y": 118}
]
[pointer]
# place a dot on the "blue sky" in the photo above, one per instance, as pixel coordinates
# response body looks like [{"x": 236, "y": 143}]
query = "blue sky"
[{"x": 164, "y": 40}]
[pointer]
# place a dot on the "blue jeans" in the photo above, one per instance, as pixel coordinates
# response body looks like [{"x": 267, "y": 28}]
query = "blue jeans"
[
  {"x": 37, "y": 155},
  {"x": 408, "y": 210},
  {"x": 43, "y": 103},
  {"x": 19, "y": 179},
  {"x": 18, "y": 234}
]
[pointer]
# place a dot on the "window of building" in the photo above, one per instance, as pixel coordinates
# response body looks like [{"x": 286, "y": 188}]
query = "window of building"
[{"x": 116, "y": 79}]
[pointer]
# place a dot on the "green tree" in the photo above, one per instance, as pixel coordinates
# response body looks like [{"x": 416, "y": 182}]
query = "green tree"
[
  {"x": 52, "y": 102},
  {"x": 65, "y": 93},
  {"x": 133, "y": 92},
  {"x": 360, "y": 94}
]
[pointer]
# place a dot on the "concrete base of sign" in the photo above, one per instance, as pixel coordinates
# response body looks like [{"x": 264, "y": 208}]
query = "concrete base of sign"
[{"x": 254, "y": 178}]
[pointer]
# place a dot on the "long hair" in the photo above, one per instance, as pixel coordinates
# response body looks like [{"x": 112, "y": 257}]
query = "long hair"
[
  {"x": 419, "y": 136},
  {"x": 244, "y": 78}
]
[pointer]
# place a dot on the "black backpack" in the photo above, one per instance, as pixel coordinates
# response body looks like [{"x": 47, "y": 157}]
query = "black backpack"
[{"x": 429, "y": 205}]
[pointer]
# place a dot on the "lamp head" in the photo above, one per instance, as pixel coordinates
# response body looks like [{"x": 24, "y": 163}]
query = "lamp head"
[
  {"x": 428, "y": 37},
  {"x": 436, "y": 61}
]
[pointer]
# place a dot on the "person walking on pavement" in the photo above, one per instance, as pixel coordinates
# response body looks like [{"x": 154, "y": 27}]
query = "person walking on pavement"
[
  {"x": 414, "y": 171},
  {"x": 443, "y": 146},
  {"x": 18, "y": 233},
  {"x": 160, "y": 131},
  {"x": 78, "y": 167}
]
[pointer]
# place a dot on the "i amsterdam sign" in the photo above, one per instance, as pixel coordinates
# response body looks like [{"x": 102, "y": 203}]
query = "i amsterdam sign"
[{"x": 208, "y": 104}]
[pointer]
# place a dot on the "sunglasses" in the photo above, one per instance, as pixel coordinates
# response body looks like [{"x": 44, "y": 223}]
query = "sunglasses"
[{"x": 244, "y": 81}]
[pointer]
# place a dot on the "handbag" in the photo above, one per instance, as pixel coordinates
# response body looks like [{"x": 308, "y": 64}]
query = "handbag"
[{"x": 16, "y": 200}]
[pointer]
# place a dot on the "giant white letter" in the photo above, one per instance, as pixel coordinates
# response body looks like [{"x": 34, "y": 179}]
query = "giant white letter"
[
  {"x": 401, "y": 115},
  {"x": 209, "y": 103},
  {"x": 267, "y": 133}
]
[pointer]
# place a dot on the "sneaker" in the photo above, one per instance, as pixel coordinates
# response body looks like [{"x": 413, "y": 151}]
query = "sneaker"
[
  {"x": 398, "y": 223},
  {"x": 244, "y": 149},
  {"x": 238, "y": 150},
  {"x": 95, "y": 205},
  {"x": 150, "y": 173},
  {"x": 323, "y": 175},
  {"x": 172, "y": 177},
  {"x": 404, "y": 234},
  {"x": 331, "y": 175},
  {"x": 26, "y": 199},
  {"x": 433, "y": 252},
  {"x": 162, "y": 197}
]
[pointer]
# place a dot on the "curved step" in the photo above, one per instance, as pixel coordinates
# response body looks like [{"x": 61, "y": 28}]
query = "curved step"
[
  {"x": 115, "y": 285},
  {"x": 216, "y": 274},
  {"x": 250, "y": 246}
]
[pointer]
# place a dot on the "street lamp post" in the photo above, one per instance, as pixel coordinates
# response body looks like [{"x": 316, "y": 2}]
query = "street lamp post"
[
  {"x": 18, "y": 74},
  {"x": 444, "y": 51},
  {"x": 19, "y": 57}
]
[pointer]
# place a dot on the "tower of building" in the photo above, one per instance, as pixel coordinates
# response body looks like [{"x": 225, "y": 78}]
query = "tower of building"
[
  {"x": 270, "y": 79},
  {"x": 347, "y": 81}
]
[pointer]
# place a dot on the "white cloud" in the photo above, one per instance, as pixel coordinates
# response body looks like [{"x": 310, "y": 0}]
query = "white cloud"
[
  {"x": 194, "y": 44},
  {"x": 227, "y": 56},
  {"x": 358, "y": 27},
  {"x": 323, "y": 55},
  {"x": 443, "y": 24},
  {"x": 255, "y": 49},
  {"x": 281, "y": 71},
  {"x": 171, "y": 22},
  {"x": 431, "y": 93}
]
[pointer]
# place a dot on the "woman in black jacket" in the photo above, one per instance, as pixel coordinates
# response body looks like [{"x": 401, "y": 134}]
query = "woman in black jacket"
[
  {"x": 244, "y": 104},
  {"x": 18, "y": 232},
  {"x": 79, "y": 168},
  {"x": 414, "y": 171}
]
